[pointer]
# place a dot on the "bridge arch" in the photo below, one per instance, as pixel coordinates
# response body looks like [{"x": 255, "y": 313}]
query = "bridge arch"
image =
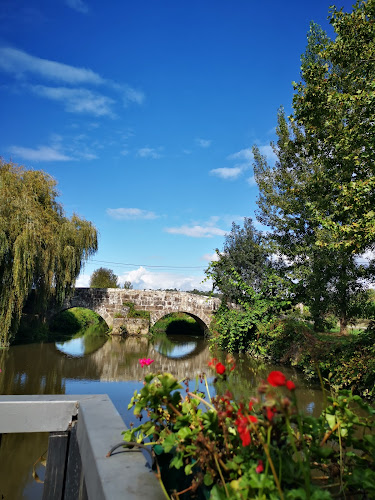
[
  {"x": 101, "y": 313},
  {"x": 202, "y": 320}
]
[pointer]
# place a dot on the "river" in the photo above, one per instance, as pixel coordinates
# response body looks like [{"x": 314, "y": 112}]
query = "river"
[{"x": 97, "y": 364}]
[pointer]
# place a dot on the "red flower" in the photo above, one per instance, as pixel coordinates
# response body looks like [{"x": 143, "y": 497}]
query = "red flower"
[
  {"x": 212, "y": 362},
  {"x": 270, "y": 413},
  {"x": 290, "y": 385},
  {"x": 260, "y": 467},
  {"x": 243, "y": 430},
  {"x": 276, "y": 378},
  {"x": 220, "y": 369}
]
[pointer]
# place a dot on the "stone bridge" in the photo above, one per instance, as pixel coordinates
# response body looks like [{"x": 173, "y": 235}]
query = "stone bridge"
[{"x": 109, "y": 304}]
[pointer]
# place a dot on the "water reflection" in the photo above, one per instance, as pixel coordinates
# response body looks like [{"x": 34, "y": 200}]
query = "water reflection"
[
  {"x": 82, "y": 345},
  {"x": 176, "y": 346}
]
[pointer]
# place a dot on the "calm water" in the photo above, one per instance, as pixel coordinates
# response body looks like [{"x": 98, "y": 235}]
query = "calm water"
[{"x": 94, "y": 364}]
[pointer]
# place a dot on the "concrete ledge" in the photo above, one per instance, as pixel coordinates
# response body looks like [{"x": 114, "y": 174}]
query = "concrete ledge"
[{"x": 124, "y": 475}]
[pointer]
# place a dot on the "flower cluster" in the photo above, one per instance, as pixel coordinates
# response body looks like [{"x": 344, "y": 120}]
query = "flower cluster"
[
  {"x": 145, "y": 361},
  {"x": 264, "y": 447}
]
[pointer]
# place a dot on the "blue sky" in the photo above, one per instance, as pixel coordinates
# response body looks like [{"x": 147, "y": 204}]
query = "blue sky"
[{"x": 145, "y": 113}]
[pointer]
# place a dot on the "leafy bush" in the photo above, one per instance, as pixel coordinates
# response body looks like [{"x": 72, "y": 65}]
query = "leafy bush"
[{"x": 75, "y": 319}]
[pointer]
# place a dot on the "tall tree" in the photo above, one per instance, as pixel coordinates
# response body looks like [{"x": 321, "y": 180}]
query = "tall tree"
[
  {"x": 318, "y": 199},
  {"x": 244, "y": 256},
  {"x": 103, "y": 278},
  {"x": 40, "y": 248}
]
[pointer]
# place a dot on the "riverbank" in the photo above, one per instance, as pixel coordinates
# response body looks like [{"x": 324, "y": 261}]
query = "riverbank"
[{"x": 346, "y": 361}]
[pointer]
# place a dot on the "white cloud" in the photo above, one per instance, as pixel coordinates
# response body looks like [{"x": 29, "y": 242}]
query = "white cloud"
[
  {"x": 268, "y": 152},
  {"x": 83, "y": 281},
  {"x": 130, "y": 213},
  {"x": 130, "y": 94},
  {"x": 23, "y": 66},
  {"x": 251, "y": 181},
  {"x": 77, "y": 5},
  {"x": 244, "y": 154},
  {"x": 148, "y": 153},
  {"x": 203, "y": 143},
  {"x": 70, "y": 148},
  {"x": 19, "y": 63},
  {"x": 41, "y": 153},
  {"x": 227, "y": 172},
  {"x": 142, "y": 278},
  {"x": 210, "y": 257},
  {"x": 196, "y": 231},
  {"x": 77, "y": 100}
]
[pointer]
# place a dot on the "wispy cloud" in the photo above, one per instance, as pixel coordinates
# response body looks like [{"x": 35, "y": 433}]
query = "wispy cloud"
[
  {"x": 227, "y": 172},
  {"x": 130, "y": 214},
  {"x": 149, "y": 153},
  {"x": 203, "y": 143},
  {"x": 71, "y": 148},
  {"x": 244, "y": 154},
  {"x": 41, "y": 153},
  {"x": 77, "y": 5},
  {"x": 34, "y": 72},
  {"x": 19, "y": 63},
  {"x": 77, "y": 100},
  {"x": 268, "y": 152},
  {"x": 196, "y": 231},
  {"x": 245, "y": 158},
  {"x": 251, "y": 181}
]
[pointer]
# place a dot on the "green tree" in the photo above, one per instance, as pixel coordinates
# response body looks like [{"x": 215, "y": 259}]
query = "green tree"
[
  {"x": 243, "y": 252},
  {"x": 40, "y": 248},
  {"x": 334, "y": 105},
  {"x": 128, "y": 285},
  {"x": 103, "y": 278},
  {"x": 319, "y": 196}
]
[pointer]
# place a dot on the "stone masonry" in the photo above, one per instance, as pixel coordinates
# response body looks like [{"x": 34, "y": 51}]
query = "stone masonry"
[{"x": 109, "y": 304}]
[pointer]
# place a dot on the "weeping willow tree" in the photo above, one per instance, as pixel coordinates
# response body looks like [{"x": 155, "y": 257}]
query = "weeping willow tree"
[{"x": 40, "y": 248}]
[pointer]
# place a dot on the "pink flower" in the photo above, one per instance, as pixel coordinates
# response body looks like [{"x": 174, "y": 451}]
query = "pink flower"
[
  {"x": 145, "y": 361},
  {"x": 276, "y": 378},
  {"x": 260, "y": 467}
]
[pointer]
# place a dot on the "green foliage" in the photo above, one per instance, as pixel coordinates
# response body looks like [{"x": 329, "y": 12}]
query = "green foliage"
[
  {"x": 103, "y": 278},
  {"x": 260, "y": 449},
  {"x": 39, "y": 247},
  {"x": 232, "y": 330},
  {"x": 75, "y": 319},
  {"x": 347, "y": 361},
  {"x": 244, "y": 252},
  {"x": 335, "y": 106},
  {"x": 318, "y": 199},
  {"x": 128, "y": 285},
  {"x": 134, "y": 313}
]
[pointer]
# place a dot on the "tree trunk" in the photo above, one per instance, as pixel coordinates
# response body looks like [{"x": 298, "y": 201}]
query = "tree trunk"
[{"x": 343, "y": 324}]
